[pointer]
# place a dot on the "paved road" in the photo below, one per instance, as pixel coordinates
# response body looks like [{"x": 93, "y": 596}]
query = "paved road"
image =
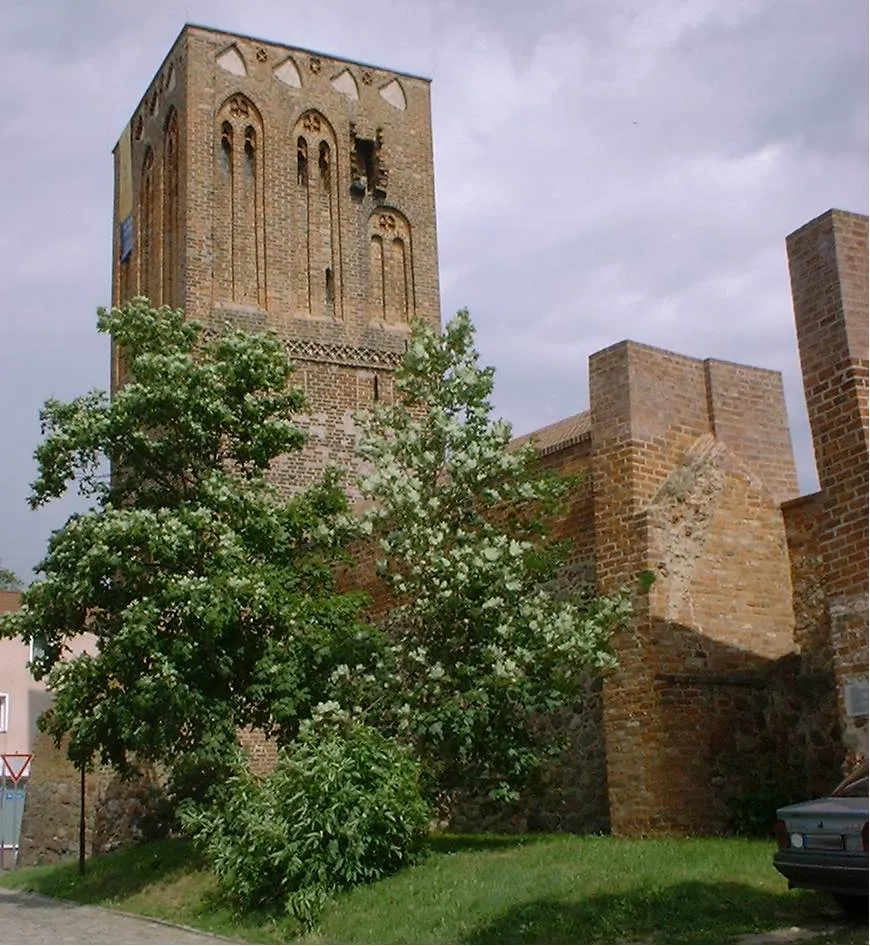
[
  {"x": 795, "y": 935},
  {"x": 30, "y": 918}
]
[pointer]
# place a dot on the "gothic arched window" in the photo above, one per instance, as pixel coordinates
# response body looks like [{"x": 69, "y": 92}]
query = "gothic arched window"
[
  {"x": 315, "y": 263},
  {"x": 391, "y": 280},
  {"x": 149, "y": 231},
  {"x": 170, "y": 208},
  {"x": 239, "y": 228}
]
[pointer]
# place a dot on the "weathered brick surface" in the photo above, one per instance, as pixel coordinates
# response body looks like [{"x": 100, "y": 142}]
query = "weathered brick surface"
[
  {"x": 262, "y": 753},
  {"x": 747, "y": 413},
  {"x": 812, "y": 633},
  {"x": 691, "y": 460}
]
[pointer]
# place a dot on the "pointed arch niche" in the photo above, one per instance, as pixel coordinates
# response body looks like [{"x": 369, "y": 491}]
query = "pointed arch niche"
[
  {"x": 239, "y": 218},
  {"x": 150, "y": 281},
  {"x": 315, "y": 258},
  {"x": 391, "y": 275},
  {"x": 170, "y": 209}
]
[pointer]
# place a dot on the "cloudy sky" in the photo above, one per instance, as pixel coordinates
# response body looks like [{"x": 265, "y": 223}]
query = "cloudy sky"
[{"x": 605, "y": 169}]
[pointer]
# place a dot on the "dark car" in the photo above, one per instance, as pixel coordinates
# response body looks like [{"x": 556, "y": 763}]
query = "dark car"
[{"x": 823, "y": 843}]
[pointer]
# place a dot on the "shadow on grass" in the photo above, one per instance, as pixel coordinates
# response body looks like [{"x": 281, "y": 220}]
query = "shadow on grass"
[
  {"x": 225, "y": 914},
  {"x": 684, "y": 913},
  {"x": 113, "y": 876},
  {"x": 454, "y": 843}
]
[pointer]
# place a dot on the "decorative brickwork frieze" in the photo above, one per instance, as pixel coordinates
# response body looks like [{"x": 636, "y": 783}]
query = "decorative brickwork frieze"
[{"x": 353, "y": 356}]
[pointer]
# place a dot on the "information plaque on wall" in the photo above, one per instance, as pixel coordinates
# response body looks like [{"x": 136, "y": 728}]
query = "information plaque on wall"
[{"x": 856, "y": 699}]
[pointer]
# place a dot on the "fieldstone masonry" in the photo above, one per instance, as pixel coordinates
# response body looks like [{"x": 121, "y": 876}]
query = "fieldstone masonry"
[{"x": 281, "y": 189}]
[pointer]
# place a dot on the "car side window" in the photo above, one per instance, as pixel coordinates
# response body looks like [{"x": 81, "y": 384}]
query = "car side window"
[{"x": 856, "y": 789}]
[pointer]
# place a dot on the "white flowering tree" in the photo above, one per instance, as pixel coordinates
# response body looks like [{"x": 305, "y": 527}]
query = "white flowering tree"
[
  {"x": 477, "y": 643},
  {"x": 211, "y": 601}
]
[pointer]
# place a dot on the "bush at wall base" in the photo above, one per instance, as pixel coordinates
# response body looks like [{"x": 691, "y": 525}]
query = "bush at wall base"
[{"x": 342, "y": 807}]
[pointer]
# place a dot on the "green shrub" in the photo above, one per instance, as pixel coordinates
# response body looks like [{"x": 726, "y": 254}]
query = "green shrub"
[{"x": 342, "y": 807}]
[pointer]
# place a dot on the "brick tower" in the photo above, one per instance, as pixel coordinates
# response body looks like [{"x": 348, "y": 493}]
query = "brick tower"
[{"x": 278, "y": 188}]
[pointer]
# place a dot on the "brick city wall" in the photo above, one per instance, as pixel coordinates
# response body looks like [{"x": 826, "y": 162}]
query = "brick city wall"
[
  {"x": 817, "y": 738},
  {"x": 803, "y": 526},
  {"x": 118, "y": 812},
  {"x": 50, "y": 824},
  {"x": 572, "y": 795}
]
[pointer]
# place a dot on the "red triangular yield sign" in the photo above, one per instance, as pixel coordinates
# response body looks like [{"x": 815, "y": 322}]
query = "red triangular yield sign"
[{"x": 15, "y": 763}]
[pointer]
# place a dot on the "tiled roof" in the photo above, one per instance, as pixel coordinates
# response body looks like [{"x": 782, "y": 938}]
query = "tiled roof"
[{"x": 563, "y": 433}]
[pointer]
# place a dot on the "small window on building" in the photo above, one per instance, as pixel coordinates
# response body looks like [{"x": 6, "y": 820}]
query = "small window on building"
[
  {"x": 4, "y": 712},
  {"x": 323, "y": 163},
  {"x": 37, "y": 648},
  {"x": 302, "y": 162},
  {"x": 366, "y": 161},
  {"x": 250, "y": 145},
  {"x": 227, "y": 149}
]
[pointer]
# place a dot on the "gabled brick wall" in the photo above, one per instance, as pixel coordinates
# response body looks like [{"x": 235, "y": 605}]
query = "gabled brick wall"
[{"x": 690, "y": 461}]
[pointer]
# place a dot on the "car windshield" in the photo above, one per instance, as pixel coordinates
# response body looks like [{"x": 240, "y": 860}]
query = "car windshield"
[{"x": 854, "y": 785}]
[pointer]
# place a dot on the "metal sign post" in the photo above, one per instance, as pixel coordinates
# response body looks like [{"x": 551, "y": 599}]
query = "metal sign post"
[{"x": 15, "y": 765}]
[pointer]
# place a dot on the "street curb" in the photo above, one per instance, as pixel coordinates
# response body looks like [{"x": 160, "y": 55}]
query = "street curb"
[
  {"x": 791, "y": 934},
  {"x": 130, "y": 916}
]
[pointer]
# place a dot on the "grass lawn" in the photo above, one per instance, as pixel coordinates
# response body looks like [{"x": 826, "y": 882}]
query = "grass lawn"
[{"x": 533, "y": 889}]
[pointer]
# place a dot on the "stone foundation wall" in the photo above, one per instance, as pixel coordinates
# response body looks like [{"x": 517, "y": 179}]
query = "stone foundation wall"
[
  {"x": 769, "y": 732},
  {"x": 118, "y": 812},
  {"x": 50, "y": 824}
]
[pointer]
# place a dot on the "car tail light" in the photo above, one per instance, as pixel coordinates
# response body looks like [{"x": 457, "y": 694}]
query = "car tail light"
[
  {"x": 782, "y": 838},
  {"x": 864, "y": 835}
]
